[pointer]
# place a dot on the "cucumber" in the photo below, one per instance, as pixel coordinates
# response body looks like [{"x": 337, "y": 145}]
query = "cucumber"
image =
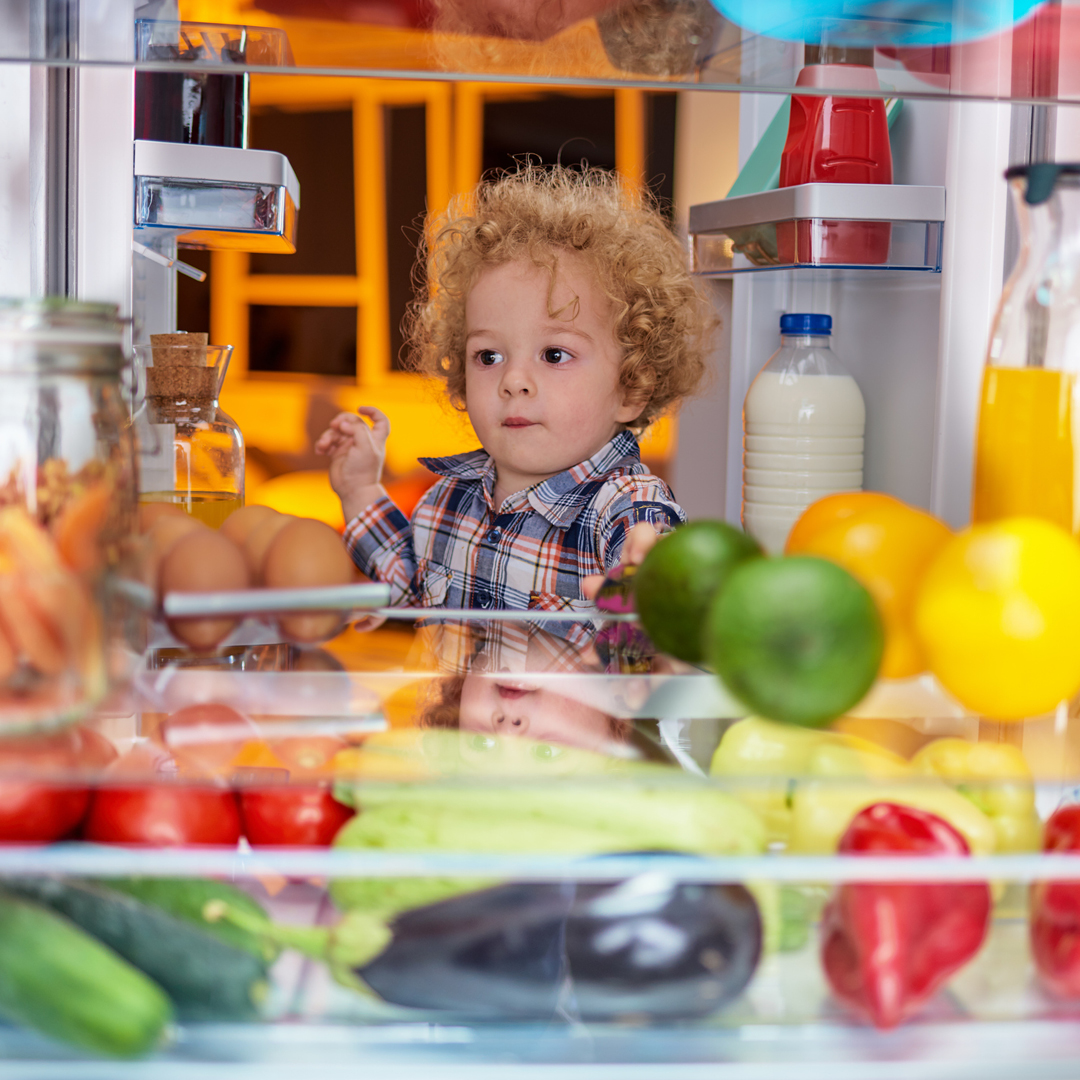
[
  {"x": 57, "y": 980},
  {"x": 186, "y": 899},
  {"x": 205, "y": 978}
]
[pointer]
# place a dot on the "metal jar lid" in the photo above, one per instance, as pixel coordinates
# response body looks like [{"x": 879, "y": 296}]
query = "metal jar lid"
[{"x": 57, "y": 335}]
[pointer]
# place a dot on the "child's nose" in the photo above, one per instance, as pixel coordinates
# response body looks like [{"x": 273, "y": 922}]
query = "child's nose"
[
  {"x": 516, "y": 381},
  {"x": 511, "y": 725}
]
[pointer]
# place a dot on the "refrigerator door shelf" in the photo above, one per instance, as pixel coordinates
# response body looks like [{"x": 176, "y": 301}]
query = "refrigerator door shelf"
[
  {"x": 217, "y": 197},
  {"x": 842, "y": 226}
]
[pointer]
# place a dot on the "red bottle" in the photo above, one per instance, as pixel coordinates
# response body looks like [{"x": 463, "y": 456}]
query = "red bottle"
[{"x": 836, "y": 140}]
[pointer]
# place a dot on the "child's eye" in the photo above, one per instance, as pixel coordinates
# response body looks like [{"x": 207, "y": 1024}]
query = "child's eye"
[
  {"x": 489, "y": 357},
  {"x": 555, "y": 356}
]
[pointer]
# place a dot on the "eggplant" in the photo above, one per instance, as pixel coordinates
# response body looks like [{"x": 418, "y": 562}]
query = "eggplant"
[{"x": 648, "y": 947}]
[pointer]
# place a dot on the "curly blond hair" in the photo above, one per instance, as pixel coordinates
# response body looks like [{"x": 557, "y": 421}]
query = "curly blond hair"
[{"x": 662, "y": 324}]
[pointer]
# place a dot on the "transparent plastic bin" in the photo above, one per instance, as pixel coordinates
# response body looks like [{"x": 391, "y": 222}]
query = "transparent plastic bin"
[{"x": 842, "y": 226}]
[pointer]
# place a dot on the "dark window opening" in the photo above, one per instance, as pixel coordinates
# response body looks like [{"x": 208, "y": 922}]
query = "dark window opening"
[
  {"x": 319, "y": 146},
  {"x": 552, "y": 128},
  {"x": 193, "y": 297},
  {"x": 660, "y": 148},
  {"x": 406, "y": 203},
  {"x": 307, "y": 340}
]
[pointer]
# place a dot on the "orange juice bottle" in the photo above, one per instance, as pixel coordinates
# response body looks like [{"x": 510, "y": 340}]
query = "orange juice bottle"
[{"x": 1026, "y": 449}]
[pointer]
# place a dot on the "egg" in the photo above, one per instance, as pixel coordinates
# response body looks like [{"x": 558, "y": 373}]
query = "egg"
[
  {"x": 150, "y": 512},
  {"x": 309, "y": 554},
  {"x": 166, "y": 530},
  {"x": 241, "y": 523},
  {"x": 258, "y": 541},
  {"x": 203, "y": 561}
]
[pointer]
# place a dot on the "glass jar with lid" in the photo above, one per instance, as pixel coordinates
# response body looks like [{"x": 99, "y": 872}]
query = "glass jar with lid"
[
  {"x": 67, "y": 502},
  {"x": 191, "y": 452}
]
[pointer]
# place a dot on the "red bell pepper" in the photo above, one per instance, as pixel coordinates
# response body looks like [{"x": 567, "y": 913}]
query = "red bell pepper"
[
  {"x": 1055, "y": 912},
  {"x": 888, "y": 946}
]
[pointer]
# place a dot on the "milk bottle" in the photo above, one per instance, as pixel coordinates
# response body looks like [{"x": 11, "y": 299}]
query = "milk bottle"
[{"x": 803, "y": 425}]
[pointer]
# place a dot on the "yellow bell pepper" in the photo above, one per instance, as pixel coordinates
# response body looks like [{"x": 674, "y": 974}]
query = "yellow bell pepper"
[
  {"x": 808, "y": 785},
  {"x": 767, "y": 758},
  {"x": 996, "y": 778},
  {"x": 840, "y": 784}
]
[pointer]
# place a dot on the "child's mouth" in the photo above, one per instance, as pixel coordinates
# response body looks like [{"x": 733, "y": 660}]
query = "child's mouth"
[
  {"x": 512, "y": 691},
  {"x": 517, "y": 422}
]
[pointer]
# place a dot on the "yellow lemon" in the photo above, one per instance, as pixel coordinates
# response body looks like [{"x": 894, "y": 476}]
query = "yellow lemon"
[{"x": 998, "y": 617}]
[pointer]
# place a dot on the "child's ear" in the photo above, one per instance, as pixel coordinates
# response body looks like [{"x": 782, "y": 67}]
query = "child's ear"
[{"x": 632, "y": 407}]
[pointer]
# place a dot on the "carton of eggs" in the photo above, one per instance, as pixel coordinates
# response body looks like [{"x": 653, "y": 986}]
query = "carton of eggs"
[{"x": 256, "y": 546}]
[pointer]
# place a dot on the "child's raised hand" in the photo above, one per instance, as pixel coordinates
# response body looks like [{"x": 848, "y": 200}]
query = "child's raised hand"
[
  {"x": 357, "y": 452},
  {"x": 639, "y": 541}
]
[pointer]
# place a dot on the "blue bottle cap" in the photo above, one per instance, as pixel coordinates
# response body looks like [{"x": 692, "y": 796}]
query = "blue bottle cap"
[{"x": 805, "y": 324}]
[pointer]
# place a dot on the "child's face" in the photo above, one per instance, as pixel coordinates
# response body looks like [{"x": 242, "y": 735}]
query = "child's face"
[
  {"x": 510, "y": 705},
  {"x": 542, "y": 390}
]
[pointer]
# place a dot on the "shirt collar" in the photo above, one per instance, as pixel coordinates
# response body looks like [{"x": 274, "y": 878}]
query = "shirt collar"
[{"x": 557, "y": 499}]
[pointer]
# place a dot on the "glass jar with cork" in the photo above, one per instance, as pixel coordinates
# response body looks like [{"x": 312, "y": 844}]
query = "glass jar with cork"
[{"x": 191, "y": 452}]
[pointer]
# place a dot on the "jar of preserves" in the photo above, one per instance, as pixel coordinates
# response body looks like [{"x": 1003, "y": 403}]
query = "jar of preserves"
[
  {"x": 67, "y": 502},
  {"x": 191, "y": 452}
]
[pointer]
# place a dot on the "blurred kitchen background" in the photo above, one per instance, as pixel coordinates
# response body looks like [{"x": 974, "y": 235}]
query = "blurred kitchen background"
[{"x": 318, "y": 331}]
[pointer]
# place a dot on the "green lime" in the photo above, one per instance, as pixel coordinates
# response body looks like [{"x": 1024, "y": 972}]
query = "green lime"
[
  {"x": 677, "y": 580},
  {"x": 795, "y": 639}
]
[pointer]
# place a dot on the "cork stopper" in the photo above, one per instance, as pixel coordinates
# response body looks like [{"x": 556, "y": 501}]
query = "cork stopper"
[{"x": 180, "y": 378}]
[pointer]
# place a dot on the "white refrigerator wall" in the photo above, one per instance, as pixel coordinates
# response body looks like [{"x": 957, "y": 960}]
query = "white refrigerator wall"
[
  {"x": 105, "y": 148},
  {"x": 22, "y": 156},
  {"x": 915, "y": 342}
]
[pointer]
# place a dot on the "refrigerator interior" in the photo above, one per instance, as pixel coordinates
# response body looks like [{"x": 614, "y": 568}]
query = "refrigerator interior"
[{"x": 915, "y": 342}]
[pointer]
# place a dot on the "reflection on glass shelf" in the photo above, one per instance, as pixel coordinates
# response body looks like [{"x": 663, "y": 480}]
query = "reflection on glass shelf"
[{"x": 943, "y": 48}]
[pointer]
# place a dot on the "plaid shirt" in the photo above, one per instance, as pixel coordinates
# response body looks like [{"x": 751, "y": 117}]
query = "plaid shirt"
[{"x": 460, "y": 551}]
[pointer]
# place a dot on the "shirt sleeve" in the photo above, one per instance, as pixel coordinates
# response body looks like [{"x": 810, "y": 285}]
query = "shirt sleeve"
[
  {"x": 645, "y": 499},
  {"x": 380, "y": 541}
]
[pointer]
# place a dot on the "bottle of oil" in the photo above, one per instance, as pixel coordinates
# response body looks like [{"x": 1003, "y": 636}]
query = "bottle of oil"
[
  {"x": 1026, "y": 450},
  {"x": 191, "y": 451}
]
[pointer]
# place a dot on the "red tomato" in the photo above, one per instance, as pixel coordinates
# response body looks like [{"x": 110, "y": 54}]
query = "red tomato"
[
  {"x": 38, "y": 813},
  {"x": 164, "y": 815},
  {"x": 291, "y": 816},
  {"x": 33, "y": 809}
]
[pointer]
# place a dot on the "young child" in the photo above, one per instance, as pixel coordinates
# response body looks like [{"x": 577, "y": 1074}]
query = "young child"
[{"x": 561, "y": 317}]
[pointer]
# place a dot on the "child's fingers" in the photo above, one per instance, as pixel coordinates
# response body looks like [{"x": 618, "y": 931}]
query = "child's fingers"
[
  {"x": 380, "y": 422},
  {"x": 326, "y": 442},
  {"x": 332, "y": 441},
  {"x": 346, "y": 423},
  {"x": 590, "y": 585},
  {"x": 639, "y": 541}
]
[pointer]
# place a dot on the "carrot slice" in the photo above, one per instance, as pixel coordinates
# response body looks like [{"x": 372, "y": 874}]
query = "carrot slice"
[{"x": 79, "y": 527}]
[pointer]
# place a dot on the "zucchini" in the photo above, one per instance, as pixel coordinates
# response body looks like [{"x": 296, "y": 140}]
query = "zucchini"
[
  {"x": 186, "y": 899},
  {"x": 57, "y": 980},
  {"x": 206, "y": 979}
]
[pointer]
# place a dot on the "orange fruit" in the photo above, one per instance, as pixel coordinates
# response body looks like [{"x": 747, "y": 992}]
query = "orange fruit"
[{"x": 887, "y": 545}]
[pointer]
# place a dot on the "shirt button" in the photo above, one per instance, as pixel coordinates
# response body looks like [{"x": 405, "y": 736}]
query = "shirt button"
[{"x": 494, "y": 534}]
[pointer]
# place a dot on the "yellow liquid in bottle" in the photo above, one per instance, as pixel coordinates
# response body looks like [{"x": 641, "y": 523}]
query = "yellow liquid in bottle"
[
  {"x": 209, "y": 507},
  {"x": 1024, "y": 450}
]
